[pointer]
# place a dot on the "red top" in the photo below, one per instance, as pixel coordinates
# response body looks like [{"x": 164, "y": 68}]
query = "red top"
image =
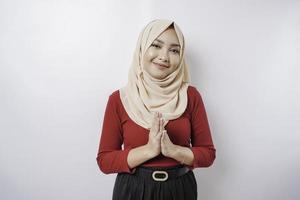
[{"x": 191, "y": 127}]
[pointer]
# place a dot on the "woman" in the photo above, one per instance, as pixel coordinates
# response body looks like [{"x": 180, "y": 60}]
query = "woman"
[{"x": 161, "y": 121}]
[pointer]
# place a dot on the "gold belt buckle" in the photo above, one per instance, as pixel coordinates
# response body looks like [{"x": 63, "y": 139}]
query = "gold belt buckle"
[{"x": 160, "y": 172}]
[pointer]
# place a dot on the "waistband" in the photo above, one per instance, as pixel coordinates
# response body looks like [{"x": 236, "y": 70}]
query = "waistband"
[{"x": 161, "y": 173}]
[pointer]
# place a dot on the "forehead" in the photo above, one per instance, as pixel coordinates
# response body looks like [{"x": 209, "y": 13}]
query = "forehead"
[{"x": 169, "y": 36}]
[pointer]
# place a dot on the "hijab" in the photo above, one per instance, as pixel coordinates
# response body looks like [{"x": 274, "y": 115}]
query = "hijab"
[{"x": 144, "y": 94}]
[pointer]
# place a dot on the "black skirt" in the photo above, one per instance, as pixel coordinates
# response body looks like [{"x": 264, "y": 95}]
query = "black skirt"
[{"x": 143, "y": 186}]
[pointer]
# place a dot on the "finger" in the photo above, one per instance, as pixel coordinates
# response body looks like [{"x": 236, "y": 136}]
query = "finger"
[
  {"x": 159, "y": 124},
  {"x": 159, "y": 135},
  {"x": 163, "y": 137},
  {"x": 162, "y": 124},
  {"x": 155, "y": 123},
  {"x": 167, "y": 138}
]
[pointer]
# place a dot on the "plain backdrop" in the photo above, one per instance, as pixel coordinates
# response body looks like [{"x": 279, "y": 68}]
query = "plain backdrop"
[{"x": 60, "y": 60}]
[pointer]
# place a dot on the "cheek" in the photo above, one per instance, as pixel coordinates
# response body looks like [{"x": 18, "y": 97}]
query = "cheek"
[
  {"x": 175, "y": 61},
  {"x": 148, "y": 57},
  {"x": 150, "y": 54}
]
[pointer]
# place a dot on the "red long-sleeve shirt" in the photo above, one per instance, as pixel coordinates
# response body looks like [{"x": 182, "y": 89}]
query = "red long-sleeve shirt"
[{"x": 191, "y": 130}]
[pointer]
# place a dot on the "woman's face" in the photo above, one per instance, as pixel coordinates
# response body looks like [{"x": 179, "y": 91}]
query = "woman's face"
[{"x": 163, "y": 56}]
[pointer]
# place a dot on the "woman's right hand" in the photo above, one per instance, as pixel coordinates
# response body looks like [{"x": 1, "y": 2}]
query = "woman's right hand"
[{"x": 155, "y": 135}]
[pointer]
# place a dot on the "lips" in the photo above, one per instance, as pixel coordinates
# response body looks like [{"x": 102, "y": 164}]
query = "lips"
[{"x": 161, "y": 65}]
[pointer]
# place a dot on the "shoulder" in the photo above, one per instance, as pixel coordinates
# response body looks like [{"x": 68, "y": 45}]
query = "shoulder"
[
  {"x": 114, "y": 98},
  {"x": 114, "y": 103},
  {"x": 194, "y": 98},
  {"x": 115, "y": 95},
  {"x": 193, "y": 92}
]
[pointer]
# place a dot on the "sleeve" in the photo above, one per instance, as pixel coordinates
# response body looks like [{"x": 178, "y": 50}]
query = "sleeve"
[
  {"x": 201, "y": 139},
  {"x": 111, "y": 158}
]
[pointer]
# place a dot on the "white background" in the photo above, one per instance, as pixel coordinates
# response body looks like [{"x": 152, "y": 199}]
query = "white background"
[{"x": 59, "y": 61}]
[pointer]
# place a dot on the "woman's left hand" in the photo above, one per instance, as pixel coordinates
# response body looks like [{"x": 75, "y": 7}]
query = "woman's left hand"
[{"x": 168, "y": 149}]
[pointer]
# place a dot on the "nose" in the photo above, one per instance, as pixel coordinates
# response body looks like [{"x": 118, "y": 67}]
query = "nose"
[{"x": 163, "y": 56}]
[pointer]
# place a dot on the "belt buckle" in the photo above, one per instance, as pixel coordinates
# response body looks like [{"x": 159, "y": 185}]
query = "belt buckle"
[{"x": 160, "y": 172}]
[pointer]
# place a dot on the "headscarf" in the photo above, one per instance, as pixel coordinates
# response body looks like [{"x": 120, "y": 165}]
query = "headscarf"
[{"x": 144, "y": 95}]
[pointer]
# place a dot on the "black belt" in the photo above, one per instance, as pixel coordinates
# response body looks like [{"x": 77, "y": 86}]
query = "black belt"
[{"x": 161, "y": 174}]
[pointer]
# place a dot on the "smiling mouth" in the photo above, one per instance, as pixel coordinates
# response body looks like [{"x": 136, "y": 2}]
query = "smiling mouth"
[{"x": 160, "y": 65}]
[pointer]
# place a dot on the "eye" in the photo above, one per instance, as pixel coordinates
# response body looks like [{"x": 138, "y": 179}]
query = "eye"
[
  {"x": 155, "y": 45},
  {"x": 175, "y": 51}
]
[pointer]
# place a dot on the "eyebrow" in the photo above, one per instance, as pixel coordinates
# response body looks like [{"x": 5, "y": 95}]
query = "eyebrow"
[{"x": 160, "y": 41}]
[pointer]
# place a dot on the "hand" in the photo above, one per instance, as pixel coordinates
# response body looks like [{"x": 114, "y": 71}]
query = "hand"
[
  {"x": 168, "y": 149},
  {"x": 155, "y": 136}
]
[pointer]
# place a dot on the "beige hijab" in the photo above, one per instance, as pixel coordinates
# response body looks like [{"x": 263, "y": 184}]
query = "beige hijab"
[{"x": 144, "y": 95}]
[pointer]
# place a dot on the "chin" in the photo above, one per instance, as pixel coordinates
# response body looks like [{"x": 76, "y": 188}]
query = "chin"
[
  {"x": 160, "y": 76},
  {"x": 157, "y": 75}
]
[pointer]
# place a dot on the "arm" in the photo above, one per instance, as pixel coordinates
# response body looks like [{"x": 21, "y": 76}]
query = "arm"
[
  {"x": 184, "y": 155},
  {"x": 138, "y": 156},
  {"x": 111, "y": 158},
  {"x": 153, "y": 146},
  {"x": 202, "y": 152},
  {"x": 201, "y": 140}
]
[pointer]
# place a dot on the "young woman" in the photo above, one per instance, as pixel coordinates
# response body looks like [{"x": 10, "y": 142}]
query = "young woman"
[{"x": 161, "y": 120}]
